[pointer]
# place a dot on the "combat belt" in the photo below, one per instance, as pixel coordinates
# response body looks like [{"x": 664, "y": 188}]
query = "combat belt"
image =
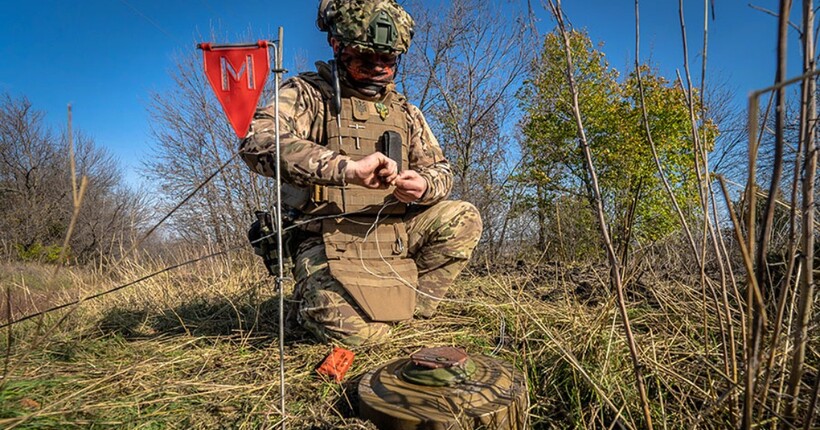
[{"x": 370, "y": 262}]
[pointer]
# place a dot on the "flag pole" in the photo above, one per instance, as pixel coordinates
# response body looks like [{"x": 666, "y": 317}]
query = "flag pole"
[{"x": 277, "y": 73}]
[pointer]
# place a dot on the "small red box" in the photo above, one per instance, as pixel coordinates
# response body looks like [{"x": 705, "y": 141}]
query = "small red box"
[{"x": 336, "y": 363}]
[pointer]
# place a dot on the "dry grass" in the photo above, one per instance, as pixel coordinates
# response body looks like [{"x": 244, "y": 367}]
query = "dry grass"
[{"x": 197, "y": 348}]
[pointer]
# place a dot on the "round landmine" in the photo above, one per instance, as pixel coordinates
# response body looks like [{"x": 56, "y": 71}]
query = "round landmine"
[{"x": 444, "y": 389}]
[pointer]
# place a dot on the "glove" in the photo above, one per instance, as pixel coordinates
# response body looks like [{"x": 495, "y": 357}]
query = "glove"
[{"x": 262, "y": 236}]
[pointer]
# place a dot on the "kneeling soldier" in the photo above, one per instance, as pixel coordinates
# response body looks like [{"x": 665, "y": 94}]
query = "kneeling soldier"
[{"x": 352, "y": 145}]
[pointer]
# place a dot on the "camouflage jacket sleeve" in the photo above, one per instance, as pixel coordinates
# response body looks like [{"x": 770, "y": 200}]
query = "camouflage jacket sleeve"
[
  {"x": 427, "y": 158},
  {"x": 301, "y": 120}
]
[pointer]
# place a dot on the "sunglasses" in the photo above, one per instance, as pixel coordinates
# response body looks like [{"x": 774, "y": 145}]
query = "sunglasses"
[{"x": 372, "y": 59}]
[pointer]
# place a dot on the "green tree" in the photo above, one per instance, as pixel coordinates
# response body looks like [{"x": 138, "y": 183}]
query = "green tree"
[{"x": 634, "y": 197}]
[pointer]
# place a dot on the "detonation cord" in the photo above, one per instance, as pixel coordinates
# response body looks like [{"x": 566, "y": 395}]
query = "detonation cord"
[
  {"x": 179, "y": 205},
  {"x": 168, "y": 269},
  {"x": 502, "y": 323}
]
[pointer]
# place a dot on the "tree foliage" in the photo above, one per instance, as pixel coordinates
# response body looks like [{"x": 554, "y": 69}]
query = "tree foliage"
[{"x": 633, "y": 193}]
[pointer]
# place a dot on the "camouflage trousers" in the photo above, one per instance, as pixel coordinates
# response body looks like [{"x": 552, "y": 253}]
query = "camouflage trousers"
[{"x": 441, "y": 240}]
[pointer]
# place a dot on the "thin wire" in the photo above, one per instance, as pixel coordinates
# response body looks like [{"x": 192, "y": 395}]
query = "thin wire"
[
  {"x": 502, "y": 325},
  {"x": 502, "y": 322},
  {"x": 120, "y": 287},
  {"x": 150, "y": 21},
  {"x": 172, "y": 267},
  {"x": 179, "y": 205},
  {"x": 171, "y": 36}
]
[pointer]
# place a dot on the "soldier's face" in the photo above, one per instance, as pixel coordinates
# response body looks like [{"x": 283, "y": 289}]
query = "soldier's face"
[{"x": 369, "y": 66}]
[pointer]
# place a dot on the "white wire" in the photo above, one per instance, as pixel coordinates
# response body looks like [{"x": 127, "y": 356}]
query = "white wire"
[{"x": 502, "y": 325}]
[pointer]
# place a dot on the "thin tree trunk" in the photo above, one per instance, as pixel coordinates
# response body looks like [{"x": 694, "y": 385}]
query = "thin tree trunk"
[
  {"x": 780, "y": 125},
  {"x": 761, "y": 270},
  {"x": 807, "y": 282},
  {"x": 615, "y": 270},
  {"x": 702, "y": 172},
  {"x": 807, "y": 99},
  {"x": 730, "y": 353}
]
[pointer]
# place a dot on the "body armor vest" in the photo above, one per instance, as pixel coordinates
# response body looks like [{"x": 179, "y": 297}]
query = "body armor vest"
[
  {"x": 357, "y": 131},
  {"x": 368, "y": 259}
]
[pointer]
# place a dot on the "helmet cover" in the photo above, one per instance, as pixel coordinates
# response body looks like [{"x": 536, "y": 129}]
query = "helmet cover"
[{"x": 369, "y": 25}]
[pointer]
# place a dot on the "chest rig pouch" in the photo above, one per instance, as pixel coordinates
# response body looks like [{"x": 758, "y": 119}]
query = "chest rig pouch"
[
  {"x": 372, "y": 265},
  {"x": 370, "y": 261},
  {"x": 357, "y": 131}
]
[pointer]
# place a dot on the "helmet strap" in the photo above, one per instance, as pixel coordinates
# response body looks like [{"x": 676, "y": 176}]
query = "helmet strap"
[{"x": 337, "y": 91}]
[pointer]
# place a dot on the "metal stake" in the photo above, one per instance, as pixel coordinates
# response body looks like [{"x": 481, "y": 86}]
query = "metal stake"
[{"x": 278, "y": 71}]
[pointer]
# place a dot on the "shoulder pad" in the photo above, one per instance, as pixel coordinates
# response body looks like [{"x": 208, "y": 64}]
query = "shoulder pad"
[{"x": 319, "y": 83}]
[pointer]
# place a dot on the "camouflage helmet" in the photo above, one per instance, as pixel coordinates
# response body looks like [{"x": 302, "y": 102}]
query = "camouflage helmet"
[{"x": 369, "y": 25}]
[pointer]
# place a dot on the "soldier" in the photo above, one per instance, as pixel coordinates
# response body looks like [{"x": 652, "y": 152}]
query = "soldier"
[{"x": 362, "y": 163}]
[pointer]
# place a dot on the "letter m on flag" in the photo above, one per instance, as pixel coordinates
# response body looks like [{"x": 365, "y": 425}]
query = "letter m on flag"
[
  {"x": 237, "y": 76},
  {"x": 230, "y": 73}
]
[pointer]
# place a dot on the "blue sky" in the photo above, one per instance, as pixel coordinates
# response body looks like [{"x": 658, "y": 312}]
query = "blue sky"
[{"x": 106, "y": 56}]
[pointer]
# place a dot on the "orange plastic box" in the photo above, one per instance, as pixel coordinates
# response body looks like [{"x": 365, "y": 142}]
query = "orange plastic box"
[{"x": 336, "y": 364}]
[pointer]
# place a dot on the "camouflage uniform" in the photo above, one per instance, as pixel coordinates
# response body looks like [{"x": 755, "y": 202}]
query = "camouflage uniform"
[
  {"x": 442, "y": 238},
  {"x": 441, "y": 233}
]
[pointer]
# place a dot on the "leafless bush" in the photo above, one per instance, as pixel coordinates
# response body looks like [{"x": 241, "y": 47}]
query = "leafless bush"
[
  {"x": 462, "y": 72},
  {"x": 35, "y": 190},
  {"x": 193, "y": 139}
]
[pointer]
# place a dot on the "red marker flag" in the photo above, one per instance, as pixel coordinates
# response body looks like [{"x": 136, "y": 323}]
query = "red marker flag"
[{"x": 237, "y": 74}]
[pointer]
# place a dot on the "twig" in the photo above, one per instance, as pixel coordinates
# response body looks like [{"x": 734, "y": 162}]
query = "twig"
[
  {"x": 71, "y": 162},
  {"x": 77, "y": 205},
  {"x": 653, "y": 147},
  {"x": 77, "y": 195},
  {"x": 807, "y": 133},
  {"x": 615, "y": 271},
  {"x": 7, "y": 358},
  {"x": 754, "y": 291},
  {"x": 705, "y": 191},
  {"x": 728, "y": 345},
  {"x": 780, "y": 121},
  {"x": 769, "y": 12},
  {"x": 701, "y": 172}
]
